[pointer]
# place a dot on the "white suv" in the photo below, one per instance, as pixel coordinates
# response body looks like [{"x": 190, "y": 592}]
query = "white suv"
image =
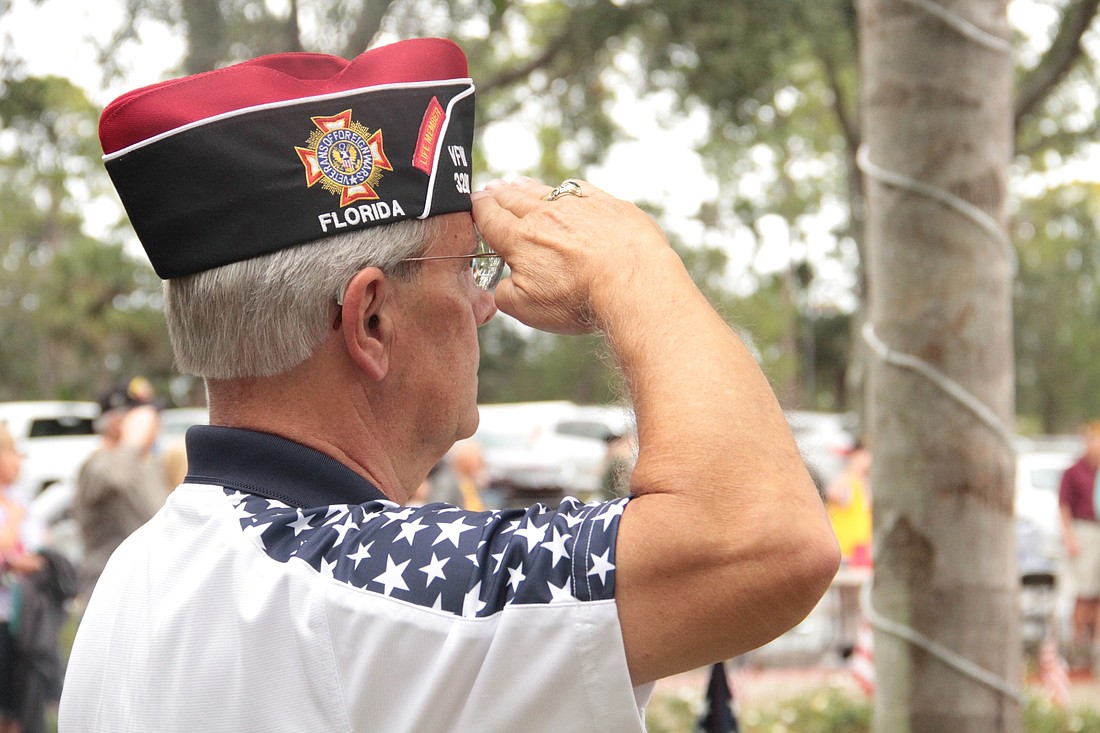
[{"x": 54, "y": 438}]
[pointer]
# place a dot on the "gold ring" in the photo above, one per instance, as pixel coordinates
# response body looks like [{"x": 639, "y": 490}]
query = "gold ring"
[{"x": 568, "y": 187}]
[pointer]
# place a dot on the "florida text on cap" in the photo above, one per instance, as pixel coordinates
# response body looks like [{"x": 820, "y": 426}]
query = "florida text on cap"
[{"x": 285, "y": 149}]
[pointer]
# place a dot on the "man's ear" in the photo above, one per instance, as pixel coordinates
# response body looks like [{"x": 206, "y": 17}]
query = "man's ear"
[{"x": 366, "y": 325}]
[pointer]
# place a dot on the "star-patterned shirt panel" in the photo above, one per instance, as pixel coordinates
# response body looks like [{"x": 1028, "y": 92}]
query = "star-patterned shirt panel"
[
  {"x": 280, "y": 590},
  {"x": 297, "y": 504},
  {"x": 470, "y": 564}
]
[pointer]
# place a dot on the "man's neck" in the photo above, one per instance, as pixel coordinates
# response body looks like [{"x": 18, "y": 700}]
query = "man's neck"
[{"x": 335, "y": 421}]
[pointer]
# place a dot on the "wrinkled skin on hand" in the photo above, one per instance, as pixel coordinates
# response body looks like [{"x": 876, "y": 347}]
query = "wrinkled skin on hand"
[{"x": 564, "y": 255}]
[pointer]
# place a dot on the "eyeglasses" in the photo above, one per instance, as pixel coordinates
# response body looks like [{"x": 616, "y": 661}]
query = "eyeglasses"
[{"x": 485, "y": 264}]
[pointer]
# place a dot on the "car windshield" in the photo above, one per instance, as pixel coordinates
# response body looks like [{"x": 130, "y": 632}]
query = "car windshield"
[
  {"x": 1045, "y": 479},
  {"x": 53, "y": 427},
  {"x": 583, "y": 429},
  {"x": 501, "y": 439}
]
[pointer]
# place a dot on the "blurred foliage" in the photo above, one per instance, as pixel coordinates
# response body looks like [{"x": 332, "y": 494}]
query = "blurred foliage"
[
  {"x": 1058, "y": 306},
  {"x": 836, "y": 710},
  {"x": 78, "y": 312},
  {"x": 776, "y": 83}
]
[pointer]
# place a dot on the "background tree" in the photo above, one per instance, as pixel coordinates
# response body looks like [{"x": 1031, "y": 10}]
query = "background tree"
[
  {"x": 937, "y": 116},
  {"x": 1058, "y": 307},
  {"x": 78, "y": 313}
]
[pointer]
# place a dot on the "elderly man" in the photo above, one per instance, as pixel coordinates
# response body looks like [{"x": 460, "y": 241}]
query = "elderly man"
[{"x": 313, "y": 219}]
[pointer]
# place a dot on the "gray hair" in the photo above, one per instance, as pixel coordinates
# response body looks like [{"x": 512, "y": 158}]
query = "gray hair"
[{"x": 266, "y": 315}]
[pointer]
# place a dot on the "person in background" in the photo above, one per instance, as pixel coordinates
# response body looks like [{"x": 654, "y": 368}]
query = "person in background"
[
  {"x": 848, "y": 499},
  {"x": 173, "y": 458},
  {"x": 122, "y": 484},
  {"x": 1078, "y": 500},
  {"x": 18, "y": 539},
  {"x": 619, "y": 462},
  {"x": 461, "y": 477},
  {"x": 328, "y": 265}
]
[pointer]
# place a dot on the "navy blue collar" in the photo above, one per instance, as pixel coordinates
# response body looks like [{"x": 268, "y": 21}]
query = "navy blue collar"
[{"x": 272, "y": 467}]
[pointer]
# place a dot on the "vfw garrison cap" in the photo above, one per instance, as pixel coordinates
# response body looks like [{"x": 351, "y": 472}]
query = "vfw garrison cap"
[{"x": 284, "y": 149}]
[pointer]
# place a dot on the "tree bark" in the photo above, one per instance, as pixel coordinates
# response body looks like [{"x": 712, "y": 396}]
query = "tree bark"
[
  {"x": 937, "y": 108},
  {"x": 207, "y": 35}
]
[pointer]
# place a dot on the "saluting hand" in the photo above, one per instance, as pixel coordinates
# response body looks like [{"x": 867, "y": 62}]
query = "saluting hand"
[{"x": 566, "y": 256}]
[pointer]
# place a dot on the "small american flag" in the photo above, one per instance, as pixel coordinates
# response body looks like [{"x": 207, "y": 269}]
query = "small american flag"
[{"x": 863, "y": 657}]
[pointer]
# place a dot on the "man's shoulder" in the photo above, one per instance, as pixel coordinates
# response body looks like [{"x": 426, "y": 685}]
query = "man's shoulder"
[{"x": 470, "y": 564}]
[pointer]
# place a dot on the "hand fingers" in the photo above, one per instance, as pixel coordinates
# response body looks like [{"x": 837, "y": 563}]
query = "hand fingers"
[
  {"x": 525, "y": 195},
  {"x": 492, "y": 220}
]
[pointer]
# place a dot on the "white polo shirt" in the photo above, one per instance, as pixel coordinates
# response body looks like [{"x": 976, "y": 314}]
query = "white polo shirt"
[{"x": 279, "y": 591}]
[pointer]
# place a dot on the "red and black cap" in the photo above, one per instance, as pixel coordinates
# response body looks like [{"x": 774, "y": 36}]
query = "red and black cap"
[{"x": 289, "y": 148}]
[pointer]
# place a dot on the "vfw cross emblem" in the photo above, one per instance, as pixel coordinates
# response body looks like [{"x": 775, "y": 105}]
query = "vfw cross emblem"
[{"x": 345, "y": 157}]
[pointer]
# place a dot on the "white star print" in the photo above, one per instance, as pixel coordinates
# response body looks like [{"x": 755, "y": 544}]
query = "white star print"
[
  {"x": 560, "y": 595},
  {"x": 600, "y": 566},
  {"x": 301, "y": 524},
  {"x": 573, "y": 519},
  {"x": 336, "y": 510},
  {"x": 255, "y": 532},
  {"x": 612, "y": 511},
  {"x": 402, "y": 515},
  {"x": 343, "y": 529},
  {"x": 452, "y": 531},
  {"x": 409, "y": 530},
  {"x": 471, "y": 604},
  {"x": 515, "y": 577},
  {"x": 434, "y": 569},
  {"x": 499, "y": 557},
  {"x": 392, "y": 578},
  {"x": 557, "y": 546},
  {"x": 363, "y": 553},
  {"x": 235, "y": 497},
  {"x": 532, "y": 534},
  {"x": 327, "y": 567},
  {"x": 241, "y": 511}
]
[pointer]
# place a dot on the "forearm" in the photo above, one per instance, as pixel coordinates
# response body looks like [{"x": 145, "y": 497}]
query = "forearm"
[
  {"x": 727, "y": 533},
  {"x": 726, "y": 536},
  {"x": 706, "y": 414},
  {"x": 1068, "y": 536}
]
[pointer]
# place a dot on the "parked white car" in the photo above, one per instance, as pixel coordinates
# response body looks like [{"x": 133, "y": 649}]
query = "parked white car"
[
  {"x": 55, "y": 438},
  {"x": 1039, "y": 468},
  {"x": 548, "y": 447},
  {"x": 175, "y": 421}
]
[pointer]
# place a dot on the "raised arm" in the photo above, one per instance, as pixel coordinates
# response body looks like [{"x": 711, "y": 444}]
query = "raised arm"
[{"x": 726, "y": 544}]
